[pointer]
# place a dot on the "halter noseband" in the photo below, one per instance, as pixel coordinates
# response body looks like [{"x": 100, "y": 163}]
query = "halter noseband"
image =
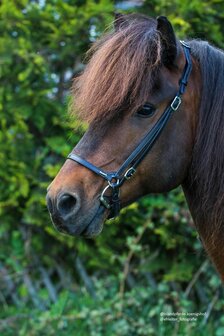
[{"x": 128, "y": 168}]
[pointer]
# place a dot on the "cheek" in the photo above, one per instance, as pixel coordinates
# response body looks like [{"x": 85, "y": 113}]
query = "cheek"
[
  {"x": 165, "y": 166},
  {"x": 171, "y": 156},
  {"x": 118, "y": 144}
]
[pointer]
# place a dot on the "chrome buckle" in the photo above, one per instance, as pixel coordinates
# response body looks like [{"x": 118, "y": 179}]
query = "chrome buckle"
[
  {"x": 129, "y": 173},
  {"x": 175, "y": 103},
  {"x": 185, "y": 44}
]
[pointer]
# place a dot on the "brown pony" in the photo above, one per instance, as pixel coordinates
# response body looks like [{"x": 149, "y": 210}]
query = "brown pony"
[{"x": 132, "y": 76}]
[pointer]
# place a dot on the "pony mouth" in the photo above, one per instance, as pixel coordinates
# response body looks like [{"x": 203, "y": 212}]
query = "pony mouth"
[
  {"x": 95, "y": 226},
  {"x": 91, "y": 229}
]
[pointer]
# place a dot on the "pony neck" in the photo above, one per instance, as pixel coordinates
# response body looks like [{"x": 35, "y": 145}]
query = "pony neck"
[
  {"x": 210, "y": 230},
  {"x": 204, "y": 186}
]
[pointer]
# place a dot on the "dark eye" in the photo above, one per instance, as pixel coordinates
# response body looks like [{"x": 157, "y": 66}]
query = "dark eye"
[{"x": 147, "y": 110}]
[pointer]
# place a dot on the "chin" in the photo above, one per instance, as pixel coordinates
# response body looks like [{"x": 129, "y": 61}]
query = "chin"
[{"x": 88, "y": 226}]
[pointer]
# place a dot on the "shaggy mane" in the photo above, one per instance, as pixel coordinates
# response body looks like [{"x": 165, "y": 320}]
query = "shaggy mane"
[
  {"x": 121, "y": 71},
  {"x": 207, "y": 171}
]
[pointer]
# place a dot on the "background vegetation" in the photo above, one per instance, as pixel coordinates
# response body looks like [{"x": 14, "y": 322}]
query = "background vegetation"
[{"x": 147, "y": 261}]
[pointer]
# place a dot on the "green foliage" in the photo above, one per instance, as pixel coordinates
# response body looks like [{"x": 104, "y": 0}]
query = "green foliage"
[
  {"x": 42, "y": 46},
  {"x": 194, "y": 19},
  {"x": 137, "y": 313}
]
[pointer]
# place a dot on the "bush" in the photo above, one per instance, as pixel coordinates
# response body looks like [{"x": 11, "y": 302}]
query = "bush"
[{"x": 148, "y": 260}]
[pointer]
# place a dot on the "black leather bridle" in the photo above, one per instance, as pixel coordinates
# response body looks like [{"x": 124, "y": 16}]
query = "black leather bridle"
[{"x": 128, "y": 168}]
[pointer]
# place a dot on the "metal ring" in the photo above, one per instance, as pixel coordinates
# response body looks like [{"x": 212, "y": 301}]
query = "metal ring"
[
  {"x": 113, "y": 185},
  {"x": 103, "y": 200}
]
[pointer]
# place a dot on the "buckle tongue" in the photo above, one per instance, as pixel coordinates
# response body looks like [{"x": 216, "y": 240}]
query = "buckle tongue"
[{"x": 129, "y": 173}]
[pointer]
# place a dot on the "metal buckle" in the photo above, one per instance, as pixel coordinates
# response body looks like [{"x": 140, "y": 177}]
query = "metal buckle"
[
  {"x": 129, "y": 173},
  {"x": 185, "y": 44},
  {"x": 175, "y": 103}
]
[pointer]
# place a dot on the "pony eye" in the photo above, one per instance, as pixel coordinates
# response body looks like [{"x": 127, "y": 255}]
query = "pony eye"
[{"x": 147, "y": 110}]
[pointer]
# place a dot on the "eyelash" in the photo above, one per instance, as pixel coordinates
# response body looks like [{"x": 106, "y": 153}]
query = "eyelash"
[{"x": 146, "y": 111}]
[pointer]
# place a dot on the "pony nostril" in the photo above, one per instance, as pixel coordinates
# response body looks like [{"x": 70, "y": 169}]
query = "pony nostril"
[{"x": 67, "y": 204}]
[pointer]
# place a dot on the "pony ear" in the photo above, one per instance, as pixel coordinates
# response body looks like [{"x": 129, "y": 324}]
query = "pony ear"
[
  {"x": 118, "y": 21},
  {"x": 169, "y": 52}
]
